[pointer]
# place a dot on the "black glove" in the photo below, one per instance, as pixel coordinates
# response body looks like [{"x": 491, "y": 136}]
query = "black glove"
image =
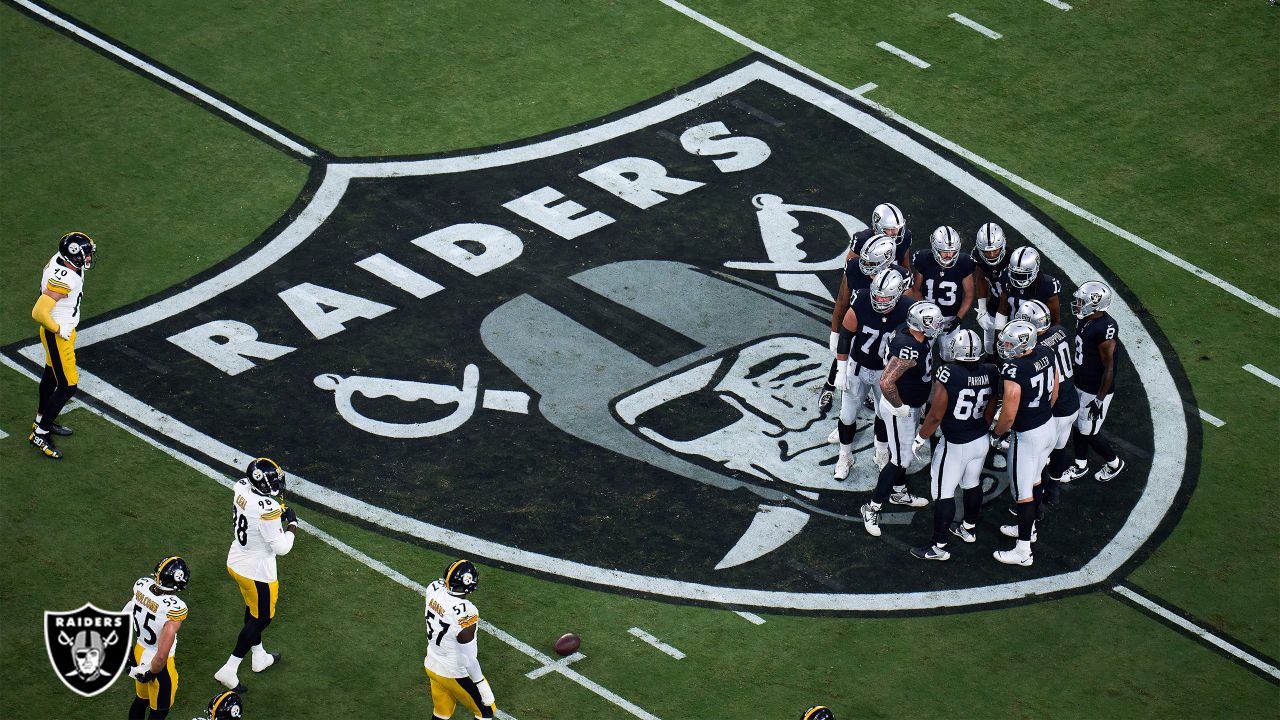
[{"x": 290, "y": 517}]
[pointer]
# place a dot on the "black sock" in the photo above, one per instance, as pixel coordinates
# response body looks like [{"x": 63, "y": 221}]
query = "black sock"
[
  {"x": 972, "y": 504},
  {"x": 944, "y": 511},
  {"x": 250, "y": 634},
  {"x": 1058, "y": 463},
  {"x": 846, "y": 433},
  {"x": 138, "y": 710},
  {"x": 1037, "y": 499},
  {"x": 1081, "y": 442},
  {"x": 890, "y": 475},
  {"x": 1026, "y": 520},
  {"x": 831, "y": 374},
  {"x": 1101, "y": 446},
  {"x": 56, "y": 402},
  {"x": 882, "y": 432},
  {"x": 160, "y": 714},
  {"x": 47, "y": 384}
]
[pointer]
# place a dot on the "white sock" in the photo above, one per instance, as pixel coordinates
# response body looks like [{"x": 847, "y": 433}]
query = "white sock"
[
  {"x": 1023, "y": 547},
  {"x": 874, "y": 505},
  {"x": 38, "y": 418},
  {"x": 1082, "y": 463},
  {"x": 258, "y": 650},
  {"x": 233, "y": 663},
  {"x": 1114, "y": 463},
  {"x": 967, "y": 526},
  {"x": 846, "y": 451}
]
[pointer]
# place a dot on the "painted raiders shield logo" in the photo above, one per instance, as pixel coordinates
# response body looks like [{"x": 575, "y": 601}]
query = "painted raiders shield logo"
[
  {"x": 88, "y": 647},
  {"x": 598, "y": 355}
]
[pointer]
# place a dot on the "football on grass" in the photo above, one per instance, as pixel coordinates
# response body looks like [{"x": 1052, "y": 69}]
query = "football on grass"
[{"x": 568, "y": 644}]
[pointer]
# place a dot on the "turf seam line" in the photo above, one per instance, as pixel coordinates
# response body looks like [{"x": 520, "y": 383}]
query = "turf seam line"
[
  {"x": 386, "y": 570},
  {"x": 1185, "y": 624},
  {"x": 171, "y": 80},
  {"x": 981, "y": 161}
]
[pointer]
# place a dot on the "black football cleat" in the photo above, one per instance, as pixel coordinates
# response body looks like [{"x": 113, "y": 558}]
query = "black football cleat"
[
  {"x": 61, "y": 430},
  {"x": 44, "y": 443},
  {"x": 827, "y": 398}
]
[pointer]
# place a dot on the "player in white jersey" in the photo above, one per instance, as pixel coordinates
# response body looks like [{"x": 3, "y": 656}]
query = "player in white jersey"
[
  {"x": 262, "y": 528},
  {"x": 452, "y": 662},
  {"x": 157, "y": 614},
  {"x": 57, "y": 310}
]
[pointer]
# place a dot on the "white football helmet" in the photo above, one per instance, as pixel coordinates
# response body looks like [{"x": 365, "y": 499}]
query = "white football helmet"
[
  {"x": 887, "y": 219},
  {"x": 1024, "y": 266},
  {"x": 962, "y": 346},
  {"x": 1016, "y": 339},
  {"x": 1093, "y": 296},
  {"x": 886, "y": 289},
  {"x": 877, "y": 254},
  {"x": 991, "y": 243},
  {"x": 1036, "y": 313},
  {"x": 945, "y": 245},
  {"x": 926, "y": 318}
]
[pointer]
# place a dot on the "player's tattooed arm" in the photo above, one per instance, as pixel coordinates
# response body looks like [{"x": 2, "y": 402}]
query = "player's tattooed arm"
[
  {"x": 842, "y": 304},
  {"x": 1107, "y": 354},
  {"x": 889, "y": 380}
]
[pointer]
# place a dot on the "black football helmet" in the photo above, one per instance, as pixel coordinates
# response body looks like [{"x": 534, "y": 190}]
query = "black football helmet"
[
  {"x": 172, "y": 574},
  {"x": 818, "y": 712},
  {"x": 77, "y": 249},
  {"x": 461, "y": 578},
  {"x": 225, "y": 706},
  {"x": 265, "y": 476}
]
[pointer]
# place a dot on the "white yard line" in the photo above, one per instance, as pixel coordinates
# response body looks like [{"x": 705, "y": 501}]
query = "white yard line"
[
  {"x": 1058, "y": 4},
  {"x": 1251, "y": 368},
  {"x": 655, "y": 642},
  {"x": 3, "y": 434},
  {"x": 749, "y": 617},
  {"x": 983, "y": 162},
  {"x": 1216, "y": 422},
  {"x": 974, "y": 25},
  {"x": 1198, "y": 631},
  {"x": 540, "y": 657},
  {"x": 536, "y": 673},
  {"x": 167, "y": 78},
  {"x": 902, "y": 54}
]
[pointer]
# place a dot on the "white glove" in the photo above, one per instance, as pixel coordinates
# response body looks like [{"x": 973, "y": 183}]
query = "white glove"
[
  {"x": 842, "y": 373},
  {"x": 65, "y": 330},
  {"x": 141, "y": 673},
  {"x": 916, "y": 444},
  {"x": 486, "y": 692},
  {"x": 833, "y": 342},
  {"x": 985, "y": 321}
]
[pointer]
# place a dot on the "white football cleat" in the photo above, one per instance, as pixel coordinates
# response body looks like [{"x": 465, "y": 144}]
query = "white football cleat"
[
  {"x": 1075, "y": 472},
  {"x": 1012, "y": 531},
  {"x": 906, "y": 498},
  {"x": 964, "y": 533},
  {"x": 871, "y": 520},
  {"x": 263, "y": 661},
  {"x": 227, "y": 677},
  {"x": 1109, "y": 471},
  {"x": 834, "y": 437},
  {"x": 843, "y": 465},
  {"x": 1013, "y": 557}
]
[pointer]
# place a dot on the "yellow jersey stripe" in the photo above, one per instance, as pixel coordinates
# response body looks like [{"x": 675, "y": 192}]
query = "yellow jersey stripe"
[
  {"x": 272, "y": 515},
  {"x": 468, "y": 621},
  {"x": 58, "y": 285},
  {"x": 178, "y": 616}
]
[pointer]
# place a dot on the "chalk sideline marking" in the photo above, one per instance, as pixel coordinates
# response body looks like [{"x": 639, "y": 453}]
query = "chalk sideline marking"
[
  {"x": 1058, "y": 4},
  {"x": 391, "y": 573},
  {"x": 895, "y": 50},
  {"x": 655, "y": 642},
  {"x": 166, "y": 78},
  {"x": 980, "y": 161},
  {"x": 975, "y": 25},
  {"x": 1216, "y": 422},
  {"x": 752, "y": 618},
  {"x": 1259, "y": 372},
  {"x": 1197, "y": 631},
  {"x": 1170, "y": 428}
]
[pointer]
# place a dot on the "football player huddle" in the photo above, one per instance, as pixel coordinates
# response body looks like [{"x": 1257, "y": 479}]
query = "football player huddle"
[{"x": 1016, "y": 382}]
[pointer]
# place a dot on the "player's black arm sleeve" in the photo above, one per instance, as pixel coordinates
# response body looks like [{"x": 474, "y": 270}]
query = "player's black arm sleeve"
[{"x": 845, "y": 341}]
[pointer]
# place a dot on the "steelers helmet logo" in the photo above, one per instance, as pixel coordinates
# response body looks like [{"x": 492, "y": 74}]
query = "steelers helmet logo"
[
  {"x": 74, "y": 248},
  {"x": 599, "y": 355},
  {"x": 179, "y": 575}
]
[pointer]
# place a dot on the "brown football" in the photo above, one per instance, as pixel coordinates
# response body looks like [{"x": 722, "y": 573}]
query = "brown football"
[{"x": 568, "y": 644}]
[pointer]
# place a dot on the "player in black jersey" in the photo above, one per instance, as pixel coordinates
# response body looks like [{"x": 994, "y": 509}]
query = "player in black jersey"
[
  {"x": 860, "y": 266},
  {"x": 944, "y": 276},
  {"x": 1023, "y": 281},
  {"x": 865, "y": 329},
  {"x": 1097, "y": 350},
  {"x": 963, "y": 407},
  {"x": 904, "y": 389},
  {"x": 1055, "y": 339},
  {"x": 990, "y": 257},
  {"x": 1030, "y": 391}
]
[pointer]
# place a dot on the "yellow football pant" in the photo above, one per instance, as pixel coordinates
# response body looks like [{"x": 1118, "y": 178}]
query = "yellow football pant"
[
  {"x": 60, "y": 355},
  {"x": 447, "y": 693},
  {"x": 260, "y": 597},
  {"x": 161, "y": 691}
]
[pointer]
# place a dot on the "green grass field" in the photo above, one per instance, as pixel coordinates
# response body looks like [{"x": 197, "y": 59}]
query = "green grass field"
[{"x": 1159, "y": 117}]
